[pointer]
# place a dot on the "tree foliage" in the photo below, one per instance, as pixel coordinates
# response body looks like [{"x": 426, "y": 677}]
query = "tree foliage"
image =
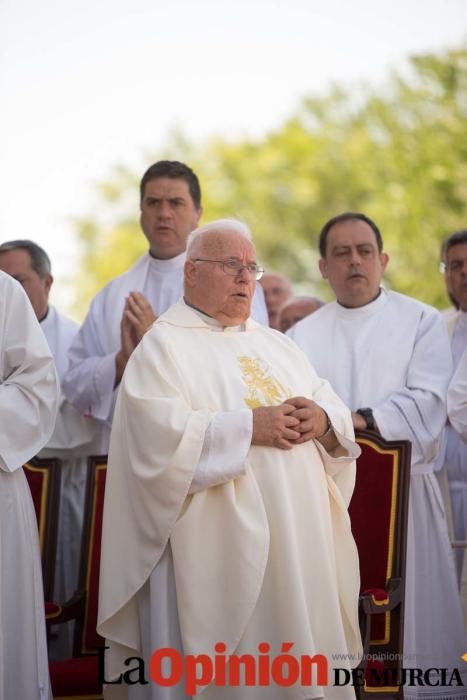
[{"x": 398, "y": 154}]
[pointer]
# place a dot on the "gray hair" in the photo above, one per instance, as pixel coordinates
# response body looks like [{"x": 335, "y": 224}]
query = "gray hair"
[
  {"x": 40, "y": 261},
  {"x": 195, "y": 239}
]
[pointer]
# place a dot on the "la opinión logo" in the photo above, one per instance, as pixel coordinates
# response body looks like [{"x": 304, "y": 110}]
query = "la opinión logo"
[
  {"x": 223, "y": 670},
  {"x": 168, "y": 667}
]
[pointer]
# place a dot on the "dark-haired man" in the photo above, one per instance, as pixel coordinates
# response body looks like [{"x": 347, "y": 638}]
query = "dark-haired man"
[
  {"x": 170, "y": 208},
  {"x": 454, "y": 266},
  {"x": 387, "y": 357}
]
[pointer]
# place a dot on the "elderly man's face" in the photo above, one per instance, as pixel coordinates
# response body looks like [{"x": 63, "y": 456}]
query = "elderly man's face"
[
  {"x": 225, "y": 297},
  {"x": 353, "y": 264},
  {"x": 456, "y": 274},
  {"x": 168, "y": 215},
  {"x": 17, "y": 264}
]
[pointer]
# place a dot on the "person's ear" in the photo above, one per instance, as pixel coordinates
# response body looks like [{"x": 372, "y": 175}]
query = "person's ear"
[
  {"x": 48, "y": 281},
  {"x": 191, "y": 273},
  {"x": 323, "y": 266},
  {"x": 384, "y": 259}
]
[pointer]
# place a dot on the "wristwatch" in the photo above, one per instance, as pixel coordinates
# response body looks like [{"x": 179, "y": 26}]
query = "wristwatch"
[
  {"x": 328, "y": 429},
  {"x": 367, "y": 414}
]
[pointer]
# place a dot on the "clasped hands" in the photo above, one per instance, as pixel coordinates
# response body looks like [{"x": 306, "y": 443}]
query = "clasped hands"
[
  {"x": 293, "y": 422},
  {"x": 137, "y": 317}
]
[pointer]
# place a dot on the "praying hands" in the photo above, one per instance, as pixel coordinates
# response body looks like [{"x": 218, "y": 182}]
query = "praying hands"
[{"x": 137, "y": 317}]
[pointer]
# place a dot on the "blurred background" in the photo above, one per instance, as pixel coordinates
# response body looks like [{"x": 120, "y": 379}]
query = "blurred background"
[{"x": 289, "y": 111}]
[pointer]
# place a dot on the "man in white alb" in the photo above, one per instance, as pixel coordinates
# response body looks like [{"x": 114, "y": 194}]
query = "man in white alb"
[
  {"x": 28, "y": 405},
  {"x": 231, "y": 467},
  {"x": 170, "y": 201},
  {"x": 74, "y": 437},
  {"x": 387, "y": 357},
  {"x": 454, "y": 264}
]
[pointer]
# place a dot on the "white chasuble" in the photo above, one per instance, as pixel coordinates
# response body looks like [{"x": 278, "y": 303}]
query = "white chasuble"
[
  {"x": 28, "y": 404},
  {"x": 393, "y": 356},
  {"x": 266, "y": 557}
]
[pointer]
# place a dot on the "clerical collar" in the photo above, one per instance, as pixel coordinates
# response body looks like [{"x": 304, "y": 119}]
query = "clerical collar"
[
  {"x": 359, "y": 307},
  {"x": 167, "y": 264},
  {"x": 41, "y": 320},
  {"x": 366, "y": 309},
  {"x": 213, "y": 323}
]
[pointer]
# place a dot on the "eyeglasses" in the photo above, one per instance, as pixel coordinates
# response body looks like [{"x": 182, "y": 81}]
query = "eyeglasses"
[
  {"x": 234, "y": 267},
  {"x": 453, "y": 266}
]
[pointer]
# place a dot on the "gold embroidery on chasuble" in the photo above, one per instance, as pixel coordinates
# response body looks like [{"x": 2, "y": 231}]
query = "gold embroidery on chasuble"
[{"x": 264, "y": 389}]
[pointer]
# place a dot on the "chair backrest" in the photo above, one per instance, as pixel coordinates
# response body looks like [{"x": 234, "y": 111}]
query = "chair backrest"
[
  {"x": 86, "y": 639},
  {"x": 379, "y": 514},
  {"x": 43, "y": 477}
]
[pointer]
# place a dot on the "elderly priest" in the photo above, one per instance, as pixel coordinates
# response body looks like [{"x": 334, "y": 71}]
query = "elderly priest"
[{"x": 231, "y": 467}]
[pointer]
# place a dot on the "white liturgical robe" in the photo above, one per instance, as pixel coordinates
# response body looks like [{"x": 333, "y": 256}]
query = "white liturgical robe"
[
  {"x": 457, "y": 398},
  {"x": 455, "y": 449},
  {"x": 267, "y": 556},
  {"x": 393, "y": 356},
  {"x": 75, "y": 437},
  {"x": 90, "y": 380},
  {"x": 28, "y": 404}
]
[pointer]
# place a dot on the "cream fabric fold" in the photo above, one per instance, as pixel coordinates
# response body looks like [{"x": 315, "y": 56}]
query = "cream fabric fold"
[{"x": 277, "y": 539}]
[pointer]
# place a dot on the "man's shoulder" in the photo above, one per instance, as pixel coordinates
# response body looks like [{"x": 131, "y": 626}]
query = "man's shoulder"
[
  {"x": 64, "y": 321},
  {"x": 408, "y": 304},
  {"x": 317, "y": 319},
  {"x": 119, "y": 285}
]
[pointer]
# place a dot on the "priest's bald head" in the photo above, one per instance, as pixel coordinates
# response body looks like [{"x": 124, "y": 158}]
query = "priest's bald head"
[
  {"x": 352, "y": 258},
  {"x": 29, "y": 264},
  {"x": 295, "y": 309},
  {"x": 277, "y": 291},
  {"x": 221, "y": 271}
]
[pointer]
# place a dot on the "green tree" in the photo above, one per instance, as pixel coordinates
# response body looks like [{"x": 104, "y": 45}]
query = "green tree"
[{"x": 399, "y": 154}]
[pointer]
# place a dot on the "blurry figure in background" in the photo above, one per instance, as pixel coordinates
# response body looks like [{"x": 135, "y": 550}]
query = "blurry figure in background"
[
  {"x": 28, "y": 405},
  {"x": 121, "y": 313},
  {"x": 295, "y": 309},
  {"x": 387, "y": 356},
  {"x": 277, "y": 290},
  {"x": 454, "y": 266},
  {"x": 74, "y": 437}
]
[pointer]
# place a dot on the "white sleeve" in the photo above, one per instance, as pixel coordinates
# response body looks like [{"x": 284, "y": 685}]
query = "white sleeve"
[
  {"x": 457, "y": 398},
  {"x": 225, "y": 449},
  {"x": 89, "y": 383},
  {"x": 29, "y": 387},
  {"x": 417, "y": 411}
]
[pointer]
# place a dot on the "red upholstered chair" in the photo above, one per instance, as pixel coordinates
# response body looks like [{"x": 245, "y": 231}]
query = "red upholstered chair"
[
  {"x": 43, "y": 476},
  {"x": 78, "y": 677},
  {"x": 378, "y": 514}
]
